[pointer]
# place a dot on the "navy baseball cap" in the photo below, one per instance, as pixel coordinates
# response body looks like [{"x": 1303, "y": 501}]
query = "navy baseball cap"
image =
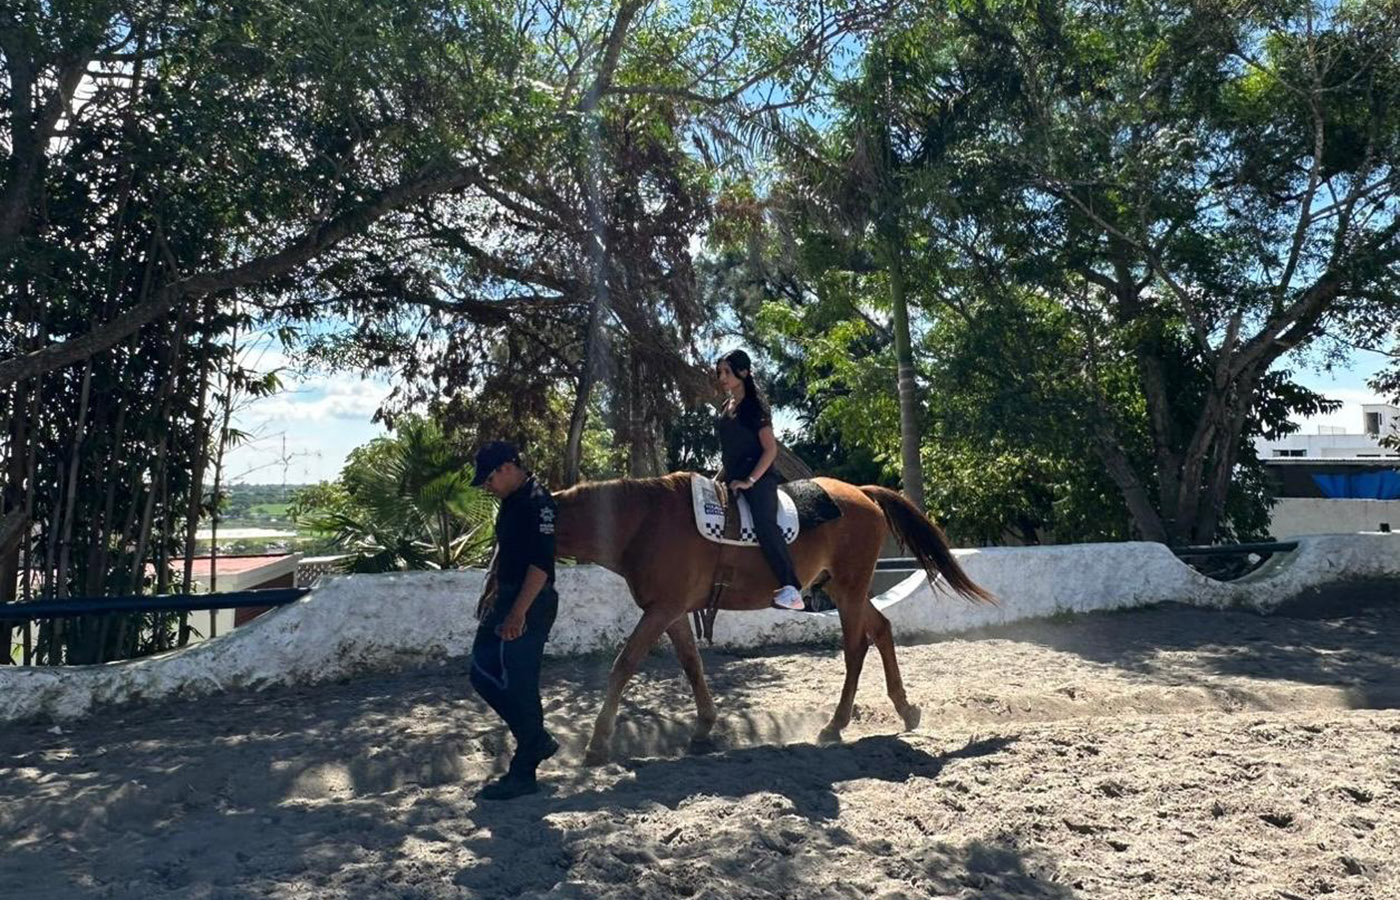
[{"x": 490, "y": 456}]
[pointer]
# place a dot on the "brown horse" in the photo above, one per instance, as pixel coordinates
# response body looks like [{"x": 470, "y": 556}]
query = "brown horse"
[{"x": 644, "y": 530}]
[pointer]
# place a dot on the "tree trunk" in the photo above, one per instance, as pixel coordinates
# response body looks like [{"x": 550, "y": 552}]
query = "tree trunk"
[
  {"x": 1157, "y": 396},
  {"x": 590, "y": 180},
  {"x": 911, "y": 467},
  {"x": 14, "y": 523},
  {"x": 1120, "y": 469},
  {"x": 219, "y": 448},
  {"x": 102, "y": 542},
  {"x": 593, "y": 345},
  {"x": 65, "y": 542},
  {"x": 30, "y": 136},
  {"x": 14, "y": 520},
  {"x": 1226, "y": 453},
  {"x": 201, "y": 459}
]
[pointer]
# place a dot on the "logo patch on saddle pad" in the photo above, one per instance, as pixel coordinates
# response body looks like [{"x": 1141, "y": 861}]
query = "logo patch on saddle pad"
[{"x": 710, "y": 512}]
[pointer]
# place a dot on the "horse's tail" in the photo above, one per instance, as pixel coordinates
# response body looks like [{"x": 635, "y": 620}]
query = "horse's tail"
[{"x": 914, "y": 531}]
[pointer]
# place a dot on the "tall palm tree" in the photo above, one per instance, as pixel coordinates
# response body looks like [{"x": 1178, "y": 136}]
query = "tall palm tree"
[{"x": 861, "y": 181}]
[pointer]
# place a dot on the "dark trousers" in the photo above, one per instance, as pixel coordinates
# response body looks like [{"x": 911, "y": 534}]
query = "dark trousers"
[
  {"x": 763, "y": 503},
  {"x": 507, "y": 673}
]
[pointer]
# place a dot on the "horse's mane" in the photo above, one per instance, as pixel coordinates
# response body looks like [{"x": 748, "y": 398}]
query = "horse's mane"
[{"x": 634, "y": 490}]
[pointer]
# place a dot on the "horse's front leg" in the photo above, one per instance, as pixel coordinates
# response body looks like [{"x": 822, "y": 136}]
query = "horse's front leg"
[
  {"x": 644, "y": 636},
  {"x": 683, "y": 639}
]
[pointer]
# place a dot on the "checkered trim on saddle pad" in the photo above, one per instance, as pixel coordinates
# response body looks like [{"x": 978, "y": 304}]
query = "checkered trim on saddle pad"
[{"x": 710, "y": 512}]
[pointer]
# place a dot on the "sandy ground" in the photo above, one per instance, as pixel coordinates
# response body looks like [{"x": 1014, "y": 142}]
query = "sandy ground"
[{"x": 1167, "y": 753}]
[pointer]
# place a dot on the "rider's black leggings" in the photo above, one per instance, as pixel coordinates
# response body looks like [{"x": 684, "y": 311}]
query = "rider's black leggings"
[{"x": 763, "y": 502}]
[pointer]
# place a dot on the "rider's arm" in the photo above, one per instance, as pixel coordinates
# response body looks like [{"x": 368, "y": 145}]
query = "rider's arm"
[
  {"x": 770, "y": 452},
  {"x": 541, "y": 557}
]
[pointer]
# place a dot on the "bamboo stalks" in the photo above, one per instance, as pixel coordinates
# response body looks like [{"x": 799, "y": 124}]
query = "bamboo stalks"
[{"x": 201, "y": 458}]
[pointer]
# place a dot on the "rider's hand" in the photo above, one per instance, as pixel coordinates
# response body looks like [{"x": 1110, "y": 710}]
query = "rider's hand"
[
  {"x": 721, "y": 489},
  {"x": 744, "y": 485}
]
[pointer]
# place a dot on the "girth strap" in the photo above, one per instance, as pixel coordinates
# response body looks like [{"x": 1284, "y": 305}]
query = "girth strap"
[{"x": 704, "y": 619}]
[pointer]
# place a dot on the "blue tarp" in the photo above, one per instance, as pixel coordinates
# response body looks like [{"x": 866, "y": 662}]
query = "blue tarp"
[{"x": 1384, "y": 485}]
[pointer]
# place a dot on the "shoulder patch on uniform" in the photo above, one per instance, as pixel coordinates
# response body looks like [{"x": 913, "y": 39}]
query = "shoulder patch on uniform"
[{"x": 546, "y": 520}]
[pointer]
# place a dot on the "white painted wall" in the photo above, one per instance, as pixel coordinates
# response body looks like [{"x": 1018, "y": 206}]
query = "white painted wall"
[
  {"x": 361, "y": 623},
  {"x": 1294, "y": 516}
]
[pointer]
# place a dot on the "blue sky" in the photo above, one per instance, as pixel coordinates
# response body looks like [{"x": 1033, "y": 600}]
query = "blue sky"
[{"x": 1347, "y": 385}]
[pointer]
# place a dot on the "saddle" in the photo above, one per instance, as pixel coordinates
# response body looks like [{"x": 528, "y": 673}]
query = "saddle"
[
  {"x": 725, "y": 522},
  {"x": 801, "y": 504}
]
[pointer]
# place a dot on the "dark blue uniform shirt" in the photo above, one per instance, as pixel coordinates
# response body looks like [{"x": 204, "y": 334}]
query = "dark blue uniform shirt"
[{"x": 525, "y": 537}]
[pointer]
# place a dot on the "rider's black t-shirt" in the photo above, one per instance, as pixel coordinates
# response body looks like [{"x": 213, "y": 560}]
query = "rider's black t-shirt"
[{"x": 739, "y": 446}]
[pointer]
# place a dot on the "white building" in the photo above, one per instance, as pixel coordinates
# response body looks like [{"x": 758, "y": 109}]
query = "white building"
[
  {"x": 1378, "y": 420},
  {"x": 1335, "y": 481}
]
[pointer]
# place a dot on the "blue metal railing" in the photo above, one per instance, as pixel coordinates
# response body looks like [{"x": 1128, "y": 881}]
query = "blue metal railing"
[{"x": 84, "y": 606}]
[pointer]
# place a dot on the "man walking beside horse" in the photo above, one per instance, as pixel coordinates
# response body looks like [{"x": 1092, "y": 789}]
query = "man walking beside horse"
[{"x": 517, "y": 610}]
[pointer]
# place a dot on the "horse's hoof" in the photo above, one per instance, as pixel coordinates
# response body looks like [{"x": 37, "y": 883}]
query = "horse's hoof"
[
  {"x": 912, "y": 715},
  {"x": 595, "y": 757},
  {"x": 829, "y": 735}
]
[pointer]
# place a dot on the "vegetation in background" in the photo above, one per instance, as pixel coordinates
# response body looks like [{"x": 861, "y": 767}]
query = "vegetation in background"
[{"x": 1048, "y": 266}]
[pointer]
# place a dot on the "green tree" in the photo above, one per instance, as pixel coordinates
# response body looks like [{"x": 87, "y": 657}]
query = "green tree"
[
  {"x": 156, "y": 158},
  {"x": 1214, "y": 186},
  {"x": 1196, "y": 190},
  {"x": 862, "y": 181},
  {"x": 570, "y": 264},
  {"x": 404, "y": 502}
]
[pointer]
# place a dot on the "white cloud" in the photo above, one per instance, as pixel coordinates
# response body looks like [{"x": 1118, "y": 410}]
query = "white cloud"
[
  {"x": 1346, "y": 383},
  {"x": 304, "y": 433},
  {"x": 320, "y": 399}
]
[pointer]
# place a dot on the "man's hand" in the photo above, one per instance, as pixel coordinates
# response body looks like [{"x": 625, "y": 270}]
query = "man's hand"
[
  {"x": 513, "y": 627},
  {"x": 737, "y": 486}
]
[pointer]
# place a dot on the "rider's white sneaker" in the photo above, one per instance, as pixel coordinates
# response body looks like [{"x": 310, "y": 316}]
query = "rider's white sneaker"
[{"x": 788, "y": 597}]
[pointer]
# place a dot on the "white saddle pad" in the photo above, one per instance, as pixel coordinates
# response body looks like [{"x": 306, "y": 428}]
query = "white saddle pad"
[{"x": 709, "y": 514}]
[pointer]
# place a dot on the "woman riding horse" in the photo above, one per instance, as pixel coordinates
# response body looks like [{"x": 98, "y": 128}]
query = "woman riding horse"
[{"x": 748, "y": 449}]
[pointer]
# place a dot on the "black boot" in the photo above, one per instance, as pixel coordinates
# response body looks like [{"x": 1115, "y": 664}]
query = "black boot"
[
  {"x": 544, "y": 748},
  {"x": 519, "y": 779},
  {"x": 510, "y": 786}
]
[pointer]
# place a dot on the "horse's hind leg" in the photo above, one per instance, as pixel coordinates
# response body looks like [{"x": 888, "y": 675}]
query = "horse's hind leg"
[
  {"x": 644, "y": 636},
  {"x": 855, "y": 643},
  {"x": 683, "y": 639},
  {"x": 883, "y": 637}
]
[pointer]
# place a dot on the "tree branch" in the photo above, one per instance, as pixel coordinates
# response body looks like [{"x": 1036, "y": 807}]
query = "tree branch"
[
  {"x": 305, "y": 248},
  {"x": 29, "y": 141}
]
